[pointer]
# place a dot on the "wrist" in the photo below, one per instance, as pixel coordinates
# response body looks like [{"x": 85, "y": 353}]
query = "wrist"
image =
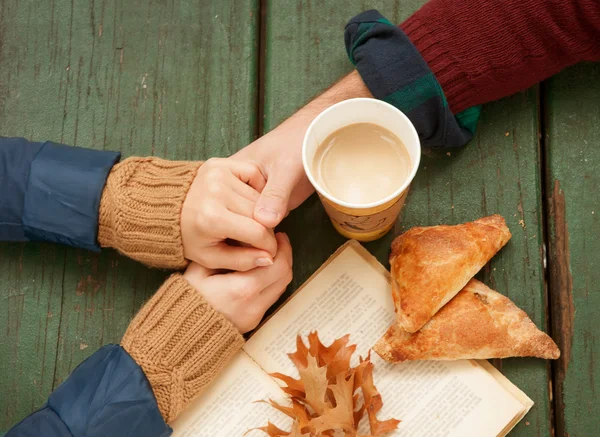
[
  {"x": 350, "y": 86},
  {"x": 181, "y": 343},
  {"x": 140, "y": 210}
]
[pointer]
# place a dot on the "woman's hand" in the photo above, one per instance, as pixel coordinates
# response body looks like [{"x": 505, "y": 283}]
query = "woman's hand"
[
  {"x": 244, "y": 297},
  {"x": 220, "y": 206}
]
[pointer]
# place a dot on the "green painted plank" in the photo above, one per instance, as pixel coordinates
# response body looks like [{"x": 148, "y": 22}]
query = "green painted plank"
[
  {"x": 305, "y": 54},
  {"x": 31, "y": 276},
  {"x": 30, "y": 312},
  {"x": 498, "y": 172},
  {"x": 176, "y": 79},
  {"x": 573, "y": 162}
]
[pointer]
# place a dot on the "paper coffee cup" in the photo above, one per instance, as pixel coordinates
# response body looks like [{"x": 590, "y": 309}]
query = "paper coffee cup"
[{"x": 369, "y": 221}]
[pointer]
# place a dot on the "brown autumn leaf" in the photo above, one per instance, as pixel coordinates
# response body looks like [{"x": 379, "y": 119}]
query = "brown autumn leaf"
[
  {"x": 271, "y": 430},
  {"x": 340, "y": 417},
  {"x": 297, "y": 432},
  {"x": 336, "y": 357},
  {"x": 326, "y": 399},
  {"x": 372, "y": 400},
  {"x": 297, "y": 411},
  {"x": 294, "y": 387},
  {"x": 315, "y": 380}
]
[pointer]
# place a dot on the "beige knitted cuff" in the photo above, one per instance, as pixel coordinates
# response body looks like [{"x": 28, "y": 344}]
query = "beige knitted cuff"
[
  {"x": 140, "y": 210},
  {"x": 181, "y": 344}
]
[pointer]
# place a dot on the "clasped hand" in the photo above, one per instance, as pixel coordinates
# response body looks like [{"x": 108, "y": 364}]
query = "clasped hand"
[{"x": 220, "y": 232}]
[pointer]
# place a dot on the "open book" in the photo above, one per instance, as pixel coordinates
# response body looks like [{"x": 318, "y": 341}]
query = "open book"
[{"x": 350, "y": 293}]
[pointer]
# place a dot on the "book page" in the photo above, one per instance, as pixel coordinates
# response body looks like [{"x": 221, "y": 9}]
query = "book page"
[
  {"x": 505, "y": 382},
  {"x": 444, "y": 398},
  {"x": 351, "y": 294},
  {"x": 228, "y": 407},
  {"x": 511, "y": 388},
  {"x": 347, "y": 295}
]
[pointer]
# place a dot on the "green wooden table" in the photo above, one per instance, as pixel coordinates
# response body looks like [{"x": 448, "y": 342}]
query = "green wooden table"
[{"x": 190, "y": 79}]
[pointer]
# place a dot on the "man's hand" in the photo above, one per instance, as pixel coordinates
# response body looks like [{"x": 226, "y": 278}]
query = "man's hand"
[
  {"x": 278, "y": 154},
  {"x": 244, "y": 297},
  {"x": 220, "y": 206}
]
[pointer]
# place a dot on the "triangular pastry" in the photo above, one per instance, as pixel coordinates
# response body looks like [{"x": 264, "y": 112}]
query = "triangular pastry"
[
  {"x": 429, "y": 265},
  {"x": 479, "y": 323}
]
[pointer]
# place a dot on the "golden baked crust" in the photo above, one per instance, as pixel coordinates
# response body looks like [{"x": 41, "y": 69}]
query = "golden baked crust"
[
  {"x": 429, "y": 265},
  {"x": 479, "y": 323}
]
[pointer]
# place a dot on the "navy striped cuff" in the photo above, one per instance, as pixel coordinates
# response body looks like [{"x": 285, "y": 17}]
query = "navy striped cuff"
[{"x": 395, "y": 72}]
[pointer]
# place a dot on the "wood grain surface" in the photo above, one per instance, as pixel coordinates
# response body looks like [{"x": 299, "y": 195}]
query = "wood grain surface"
[
  {"x": 573, "y": 167},
  {"x": 181, "y": 79},
  {"x": 498, "y": 172},
  {"x": 172, "y": 78}
]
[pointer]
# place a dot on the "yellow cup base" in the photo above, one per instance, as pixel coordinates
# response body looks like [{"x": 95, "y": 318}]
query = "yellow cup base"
[{"x": 362, "y": 236}]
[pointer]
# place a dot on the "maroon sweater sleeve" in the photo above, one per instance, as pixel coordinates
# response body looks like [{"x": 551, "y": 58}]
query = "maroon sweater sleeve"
[{"x": 482, "y": 50}]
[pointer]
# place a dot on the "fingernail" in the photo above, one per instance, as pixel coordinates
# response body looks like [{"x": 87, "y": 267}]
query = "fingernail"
[
  {"x": 268, "y": 214},
  {"x": 264, "y": 262},
  {"x": 286, "y": 237}
]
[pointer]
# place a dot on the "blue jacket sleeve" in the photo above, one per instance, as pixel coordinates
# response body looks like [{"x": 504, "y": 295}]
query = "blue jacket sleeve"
[
  {"x": 51, "y": 192},
  {"x": 106, "y": 395}
]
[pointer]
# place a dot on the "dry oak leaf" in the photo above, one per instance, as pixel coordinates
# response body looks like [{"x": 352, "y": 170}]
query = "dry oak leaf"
[
  {"x": 297, "y": 411},
  {"x": 274, "y": 431},
  {"x": 372, "y": 399},
  {"x": 340, "y": 417},
  {"x": 325, "y": 401}
]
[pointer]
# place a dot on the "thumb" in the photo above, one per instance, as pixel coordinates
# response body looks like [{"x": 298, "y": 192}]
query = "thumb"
[{"x": 272, "y": 206}]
